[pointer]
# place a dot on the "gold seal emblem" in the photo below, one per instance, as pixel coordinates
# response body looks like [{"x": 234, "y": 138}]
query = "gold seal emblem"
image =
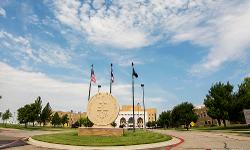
[{"x": 102, "y": 109}]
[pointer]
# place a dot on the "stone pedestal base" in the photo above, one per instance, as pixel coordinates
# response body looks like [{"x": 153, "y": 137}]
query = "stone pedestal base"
[{"x": 100, "y": 131}]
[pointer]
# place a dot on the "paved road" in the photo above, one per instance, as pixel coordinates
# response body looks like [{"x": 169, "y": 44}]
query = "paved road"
[
  {"x": 195, "y": 140},
  {"x": 16, "y": 137}
]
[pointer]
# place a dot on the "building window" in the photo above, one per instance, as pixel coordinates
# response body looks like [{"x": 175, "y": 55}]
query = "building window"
[
  {"x": 122, "y": 121},
  {"x": 204, "y": 114}
]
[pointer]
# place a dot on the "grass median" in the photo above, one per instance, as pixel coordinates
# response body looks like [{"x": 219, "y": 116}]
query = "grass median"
[
  {"x": 129, "y": 138},
  {"x": 228, "y": 128}
]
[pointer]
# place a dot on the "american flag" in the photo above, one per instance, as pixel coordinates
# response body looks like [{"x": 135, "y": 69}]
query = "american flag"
[{"x": 93, "y": 78}]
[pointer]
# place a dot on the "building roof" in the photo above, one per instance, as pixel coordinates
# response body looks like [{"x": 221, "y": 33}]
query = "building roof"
[{"x": 199, "y": 106}]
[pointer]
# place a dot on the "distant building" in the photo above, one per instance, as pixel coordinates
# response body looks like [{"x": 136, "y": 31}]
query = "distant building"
[
  {"x": 125, "y": 117},
  {"x": 73, "y": 116},
  {"x": 203, "y": 118}
]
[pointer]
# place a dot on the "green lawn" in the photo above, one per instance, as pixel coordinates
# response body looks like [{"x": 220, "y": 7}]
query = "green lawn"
[
  {"x": 129, "y": 138},
  {"x": 31, "y": 128},
  {"x": 230, "y": 129},
  {"x": 242, "y": 130}
]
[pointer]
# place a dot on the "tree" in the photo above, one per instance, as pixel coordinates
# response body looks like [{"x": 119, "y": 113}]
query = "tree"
[
  {"x": 235, "y": 110},
  {"x": 56, "y": 120},
  {"x": 164, "y": 119},
  {"x": 23, "y": 114},
  {"x": 242, "y": 101},
  {"x": 81, "y": 121},
  {"x": 149, "y": 124},
  {"x": 65, "y": 119},
  {"x": 75, "y": 125},
  {"x": 46, "y": 114},
  {"x": 183, "y": 114},
  {"x": 86, "y": 122},
  {"x": 243, "y": 93},
  {"x": 113, "y": 124},
  {"x": 36, "y": 110},
  {"x": 218, "y": 101},
  {"x": 6, "y": 115},
  {"x": 153, "y": 124}
]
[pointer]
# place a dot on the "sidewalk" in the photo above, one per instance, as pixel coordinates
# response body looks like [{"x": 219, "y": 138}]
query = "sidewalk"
[{"x": 166, "y": 144}]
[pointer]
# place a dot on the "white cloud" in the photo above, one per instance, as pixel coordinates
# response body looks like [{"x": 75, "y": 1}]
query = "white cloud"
[
  {"x": 18, "y": 45},
  {"x": 25, "y": 49},
  {"x": 220, "y": 26},
  {"x": 122, "y": 59},
  {"x": 33, "y": 19},
  {"x": 53, "y": 54},
  {"x": 2, "y": 12},
  {"x": 67, "y": 12},
  {"x": 231, "y": 39},
  {"x": 20, "y": 87},
  {"x": 101, "y": 26},
  {"x": 128, "y": 24},
  {"x": 112, "y": 32}
]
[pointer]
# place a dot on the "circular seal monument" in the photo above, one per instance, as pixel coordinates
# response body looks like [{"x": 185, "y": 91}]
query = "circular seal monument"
[{"x": 102, "y": 110}]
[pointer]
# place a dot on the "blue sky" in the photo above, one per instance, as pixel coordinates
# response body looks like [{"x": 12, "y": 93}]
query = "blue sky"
[{"x": 179, "y": 47}]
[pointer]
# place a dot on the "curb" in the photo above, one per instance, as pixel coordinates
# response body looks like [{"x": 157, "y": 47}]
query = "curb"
[
  {"x": 175, "y": 145},
  {"x": 171, "y": 143}
]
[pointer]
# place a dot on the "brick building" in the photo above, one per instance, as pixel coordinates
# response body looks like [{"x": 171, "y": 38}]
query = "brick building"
[{"x": 203, "y": 118}]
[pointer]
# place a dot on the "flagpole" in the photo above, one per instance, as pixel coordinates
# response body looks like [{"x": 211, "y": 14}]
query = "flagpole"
[
  {"x": 133, "y": 97},
  {"x": 110, "y": 78},
  {"x": 90, "y": 82},
  {"x": 144, "y": 118}
]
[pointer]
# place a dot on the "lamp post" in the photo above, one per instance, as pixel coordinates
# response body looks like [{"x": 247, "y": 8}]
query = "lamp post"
[
  {"x": 138, "y": 106},
  {"x": 144, "y": 118},
  {"x": 71, "y": 121},
  {"x": 14, "y": 118},
  {"x": 99, "y": 87}
]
